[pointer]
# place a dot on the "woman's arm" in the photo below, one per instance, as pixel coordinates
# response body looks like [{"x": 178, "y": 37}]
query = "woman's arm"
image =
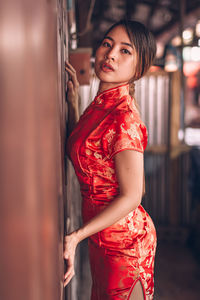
[
  {"x": 72, "y": 98},
  {"x": 129, "y": 171}
]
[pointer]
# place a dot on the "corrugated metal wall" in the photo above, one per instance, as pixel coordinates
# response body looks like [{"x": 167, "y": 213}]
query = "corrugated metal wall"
[
  {"x": 152, "y": 94},
  {"x": 167, "y": 162}
]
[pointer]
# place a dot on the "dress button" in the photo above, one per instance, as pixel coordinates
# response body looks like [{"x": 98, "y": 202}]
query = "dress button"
[{"x": 99, "y": 100}]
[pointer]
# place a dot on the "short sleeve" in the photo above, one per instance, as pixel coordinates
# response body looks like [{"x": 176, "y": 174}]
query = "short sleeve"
[{"x": 126, "y": 131}]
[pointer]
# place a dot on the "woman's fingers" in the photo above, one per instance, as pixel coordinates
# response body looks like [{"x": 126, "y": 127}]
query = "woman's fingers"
[
  {"x": 73, "y": 76},
  {"x": 67, "y": 64},
  {"x": 66, "y": 255},
  {"x": 70, "y": 244},
  {"x": 68, "y": 276},
  {"x": 70, "y": 69},
  {"x": 68, "y": 280},
  {"x": 70, "y": 273}
]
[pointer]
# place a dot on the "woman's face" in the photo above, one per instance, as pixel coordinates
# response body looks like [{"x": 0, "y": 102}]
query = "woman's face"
[{"x": 115, "y": 61}]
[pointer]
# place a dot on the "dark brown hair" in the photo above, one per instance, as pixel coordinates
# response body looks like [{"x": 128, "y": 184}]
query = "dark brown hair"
[{"x": 144, "y": 43}]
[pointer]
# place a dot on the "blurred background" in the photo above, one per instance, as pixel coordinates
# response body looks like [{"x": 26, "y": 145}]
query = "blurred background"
[{"x": 39, "y": 194}]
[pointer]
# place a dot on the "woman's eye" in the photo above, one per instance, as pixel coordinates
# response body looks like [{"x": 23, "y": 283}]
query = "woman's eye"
[
  {"x": 106, "y": 44},
  {"x": 126, "y": 51}
]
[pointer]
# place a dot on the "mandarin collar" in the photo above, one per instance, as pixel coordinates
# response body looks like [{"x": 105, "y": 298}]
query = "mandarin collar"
[{"x": 112, "y": 96}]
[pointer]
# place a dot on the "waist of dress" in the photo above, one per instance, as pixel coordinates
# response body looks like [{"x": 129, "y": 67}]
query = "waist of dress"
[
  {"x": 99, "y": 196},
  {"x": 93, "y": 204},
  {"x": 134, "y": 225}
]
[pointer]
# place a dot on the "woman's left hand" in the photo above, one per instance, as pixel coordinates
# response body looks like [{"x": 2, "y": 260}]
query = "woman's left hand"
[{"x": 70, "y": 244}]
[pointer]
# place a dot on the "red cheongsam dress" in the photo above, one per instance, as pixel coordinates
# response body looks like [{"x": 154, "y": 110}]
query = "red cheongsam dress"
[{"x": 123, "y": 253}]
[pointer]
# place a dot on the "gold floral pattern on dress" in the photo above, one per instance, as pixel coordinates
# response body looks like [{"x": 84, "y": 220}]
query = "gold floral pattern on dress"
[
  {"x": 132, "y": 131},
  {"x": 114, "y": 93},
  {"x": 125, "y": 133},
  {"x": 97, "y": 155},
  {"x": 88, "y": 151},
  {"x": 109, "y": 136},
  {"x": 97, "y": 143},
  {"x": 99, "y": 100}
]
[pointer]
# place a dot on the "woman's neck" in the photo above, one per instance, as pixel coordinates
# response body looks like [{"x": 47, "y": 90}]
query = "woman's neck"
[{"x": 103, "y": 86}]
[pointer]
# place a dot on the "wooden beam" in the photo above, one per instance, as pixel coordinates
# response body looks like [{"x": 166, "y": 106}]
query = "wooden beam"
[
  {"x": 130, "y": 7},
  {"x": 154, "y": 6},
  {"x": 82, "y": 10},
  {"x": 182, "y": 5}
]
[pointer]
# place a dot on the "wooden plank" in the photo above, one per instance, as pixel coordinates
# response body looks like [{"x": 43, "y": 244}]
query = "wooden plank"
[{"x": 175, "y": 108}]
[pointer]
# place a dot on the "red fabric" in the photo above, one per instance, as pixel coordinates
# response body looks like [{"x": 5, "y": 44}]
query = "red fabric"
[{"x": 124, "y": 252}]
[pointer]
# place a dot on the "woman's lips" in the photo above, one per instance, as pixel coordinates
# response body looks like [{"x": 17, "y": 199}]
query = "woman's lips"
[{"x": 106, "y": 67}]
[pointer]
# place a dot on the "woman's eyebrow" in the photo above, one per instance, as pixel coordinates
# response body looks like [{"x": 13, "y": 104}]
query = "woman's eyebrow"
[
  {"x": 127, "y": 44},
  {"x": 109, "y": 38},
  {"x": 123, "y": 43}
]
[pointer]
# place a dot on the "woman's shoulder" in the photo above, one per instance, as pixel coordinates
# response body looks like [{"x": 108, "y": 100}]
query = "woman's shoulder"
[
  {"x": 128, "y": 109},
  {"x": 127, "y": 116},
  {"x": 125, "y": 131}
]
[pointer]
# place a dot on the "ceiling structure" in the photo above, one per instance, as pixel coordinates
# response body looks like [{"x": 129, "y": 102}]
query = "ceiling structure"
[{"x": 162, "y": 17}]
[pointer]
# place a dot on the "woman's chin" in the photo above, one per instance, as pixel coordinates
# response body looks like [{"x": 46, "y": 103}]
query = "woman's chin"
[{"x": 105, "y": 77}]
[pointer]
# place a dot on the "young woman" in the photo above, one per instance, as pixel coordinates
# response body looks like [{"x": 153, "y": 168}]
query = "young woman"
[{"x": 106, "y": 148}]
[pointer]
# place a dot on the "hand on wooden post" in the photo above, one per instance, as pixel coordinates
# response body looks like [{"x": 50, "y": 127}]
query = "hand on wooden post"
[
  {"x": 72, "y": 85},
  {"x": 70, "y": 244}
]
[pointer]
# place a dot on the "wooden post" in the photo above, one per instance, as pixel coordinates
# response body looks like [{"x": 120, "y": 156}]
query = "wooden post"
[
  {"x": 31, "y": 152},
  {"x": 176, "y": 123},
  {"x": 182, "y": 6},
  {"x": 174, "y": 127},
  {"x": 175, "y": 108}
]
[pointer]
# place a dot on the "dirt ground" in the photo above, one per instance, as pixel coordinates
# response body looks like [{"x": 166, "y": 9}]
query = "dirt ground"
[{"x": 177, "y": 273}]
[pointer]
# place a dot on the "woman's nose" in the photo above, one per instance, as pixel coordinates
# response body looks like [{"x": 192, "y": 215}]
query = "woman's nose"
[{"x": 111, "y": 54}]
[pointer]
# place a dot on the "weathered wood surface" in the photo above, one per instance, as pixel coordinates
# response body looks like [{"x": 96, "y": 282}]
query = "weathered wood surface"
[{"x": 31, "y": 151}]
